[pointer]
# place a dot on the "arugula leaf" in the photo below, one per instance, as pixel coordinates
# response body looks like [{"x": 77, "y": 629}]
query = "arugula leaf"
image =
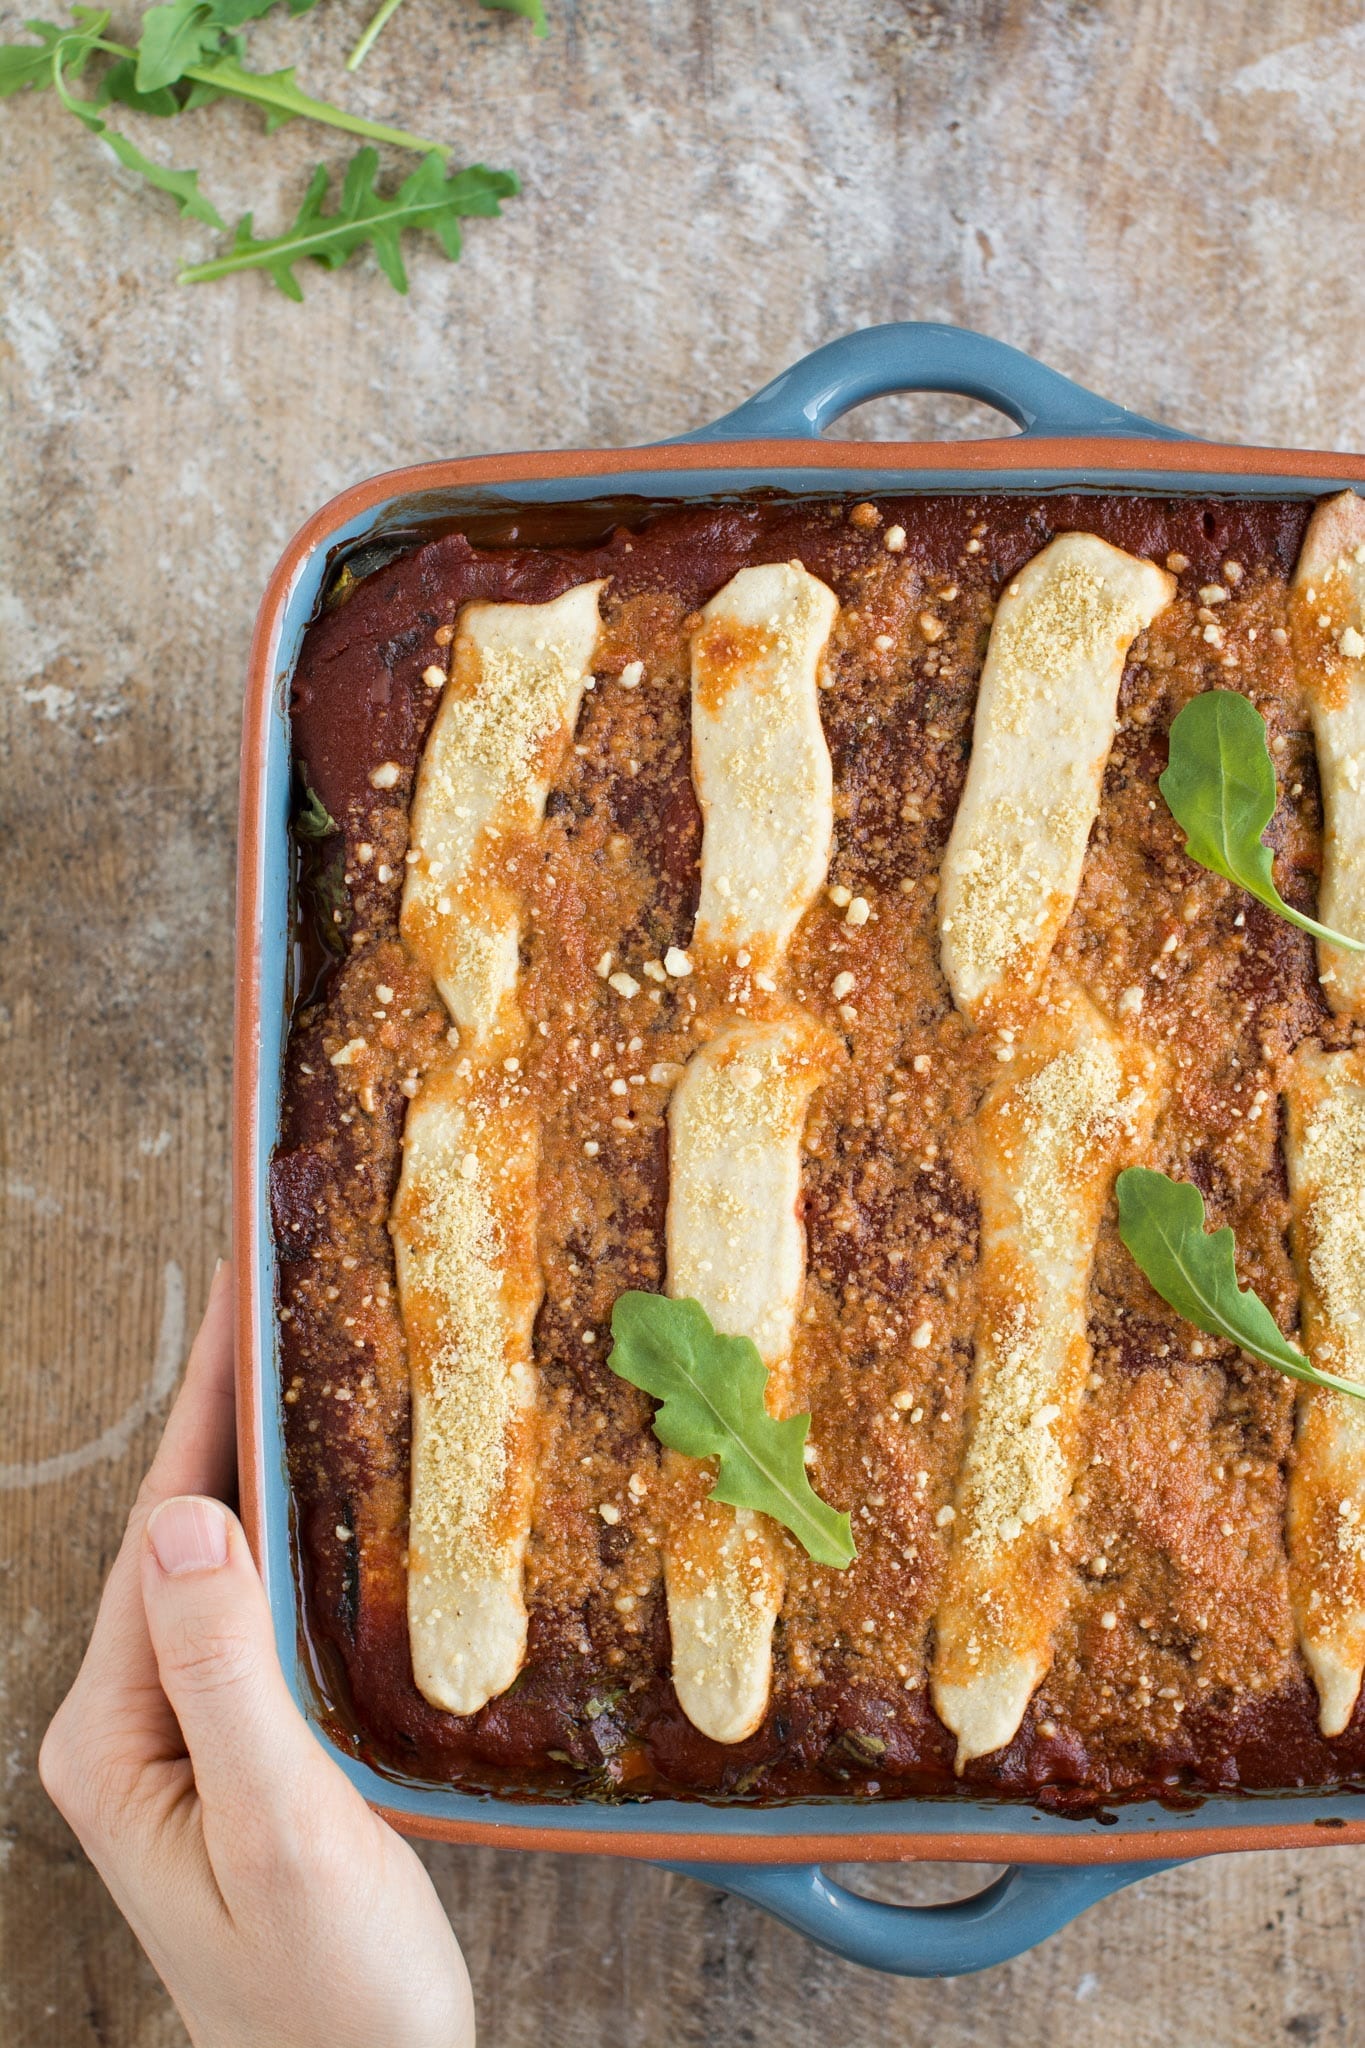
[
  {"x": 711, "y": 1390},
  {"x": 312, "y": 819},
  {"x": 1161, "y": 1222},
  {"x": 187, "y": 32},
  {"x": 195, "y": 40},
  {"x": 183, "y": 186},
  {"x": 120, "y": 83},
  {"x": 427, "y": 199},
  {"x": 36, "y": 64},
  {"x": 1220, "y": 789},
  {"x": 282, "y": 100},
  {"x": 28, "y": 64}
]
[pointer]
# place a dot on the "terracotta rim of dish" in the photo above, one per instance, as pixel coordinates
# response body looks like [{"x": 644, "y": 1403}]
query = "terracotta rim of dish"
[{"x": 1080, "y": 457}]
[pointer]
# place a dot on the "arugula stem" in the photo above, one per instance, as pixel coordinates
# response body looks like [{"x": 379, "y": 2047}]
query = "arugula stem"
[
  {"x": 367, "y": 40},
  {"x": 71, "y": 101},
  {"x": 1313, "y": 928}
]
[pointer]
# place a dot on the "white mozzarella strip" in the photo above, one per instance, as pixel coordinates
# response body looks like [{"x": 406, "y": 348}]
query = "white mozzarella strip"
[
  {"x": 759, "y": 758},
  {"x": 508, "y": 711},
  {"x": 735, "y": 1238},
  {"x": 1043, "y": 730},
  {"x": 464, "y": 1216},
  {"x": 1050, "y": 1138},
  {"x": 1328, "y": 617},
  {"x": 1325, "y": 1154},
  {"x": 469, "y": 1286},
  {"x": 736, "y": 1245}
]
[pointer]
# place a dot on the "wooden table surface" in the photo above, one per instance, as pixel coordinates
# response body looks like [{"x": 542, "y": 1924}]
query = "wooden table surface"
[{"x": 1161, "y": 199}]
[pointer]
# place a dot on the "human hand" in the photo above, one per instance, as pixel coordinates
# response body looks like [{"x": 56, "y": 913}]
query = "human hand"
[{"x": 278, "y": 1910}]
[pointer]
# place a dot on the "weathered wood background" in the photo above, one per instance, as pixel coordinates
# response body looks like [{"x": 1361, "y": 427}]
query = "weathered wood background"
[{"x": 1161, "y": 198}]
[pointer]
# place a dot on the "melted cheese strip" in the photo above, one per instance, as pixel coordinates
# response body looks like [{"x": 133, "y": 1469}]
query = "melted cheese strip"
[
  {"x": 508, "y": 711},
  {"x": 736, "y": 1245},
  {"x": 464, "y": 1216},
  {"x": 469, "y": 1282},
  {"x": 735, "y": 1241},
  {"x": 759, "y": 758},
  {"x": 1329, "y": 646},
  {"x": 1325, "y": 1153},
  {"x": 1050, "y": 1140},
  {"x": 1044, "y": 727}
]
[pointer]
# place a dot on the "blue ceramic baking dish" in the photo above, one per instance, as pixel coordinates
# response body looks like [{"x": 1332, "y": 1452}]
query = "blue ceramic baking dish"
[{"x": 1071, "y": 440}]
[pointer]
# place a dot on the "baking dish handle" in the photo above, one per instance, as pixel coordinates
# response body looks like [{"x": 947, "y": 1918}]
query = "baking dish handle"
[
  {"x": 1022, "y": 1907},
  {"x": 921, "y": 355}
]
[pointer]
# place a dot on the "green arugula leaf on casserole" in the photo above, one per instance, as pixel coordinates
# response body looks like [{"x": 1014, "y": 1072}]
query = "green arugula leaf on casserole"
[
  {"x": 1220, "y": 789},
  {"x": 711, "y": 1389},
  {"x": 1161, "y": 1222},
  {"x": 312, "y": 819}
]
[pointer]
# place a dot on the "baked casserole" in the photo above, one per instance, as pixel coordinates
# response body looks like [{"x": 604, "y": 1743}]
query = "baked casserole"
[{"x": 775, "y": 907}]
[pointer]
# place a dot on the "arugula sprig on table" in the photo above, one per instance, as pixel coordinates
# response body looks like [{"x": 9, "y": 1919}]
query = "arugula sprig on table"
[
  {"x": 711, "y": 1392},
  {"x": 189, "y": 54},
  {"x": 427, "y": 199},
  {"x": 1161, "y": 1222},
  {"x": 1220, "y": 789}
]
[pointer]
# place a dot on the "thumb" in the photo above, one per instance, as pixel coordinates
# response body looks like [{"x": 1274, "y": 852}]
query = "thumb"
[{"x": 211, "y": 1632}]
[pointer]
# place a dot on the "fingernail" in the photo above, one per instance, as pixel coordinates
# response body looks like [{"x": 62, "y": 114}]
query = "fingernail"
[{"x": 188, "y": 1535}]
